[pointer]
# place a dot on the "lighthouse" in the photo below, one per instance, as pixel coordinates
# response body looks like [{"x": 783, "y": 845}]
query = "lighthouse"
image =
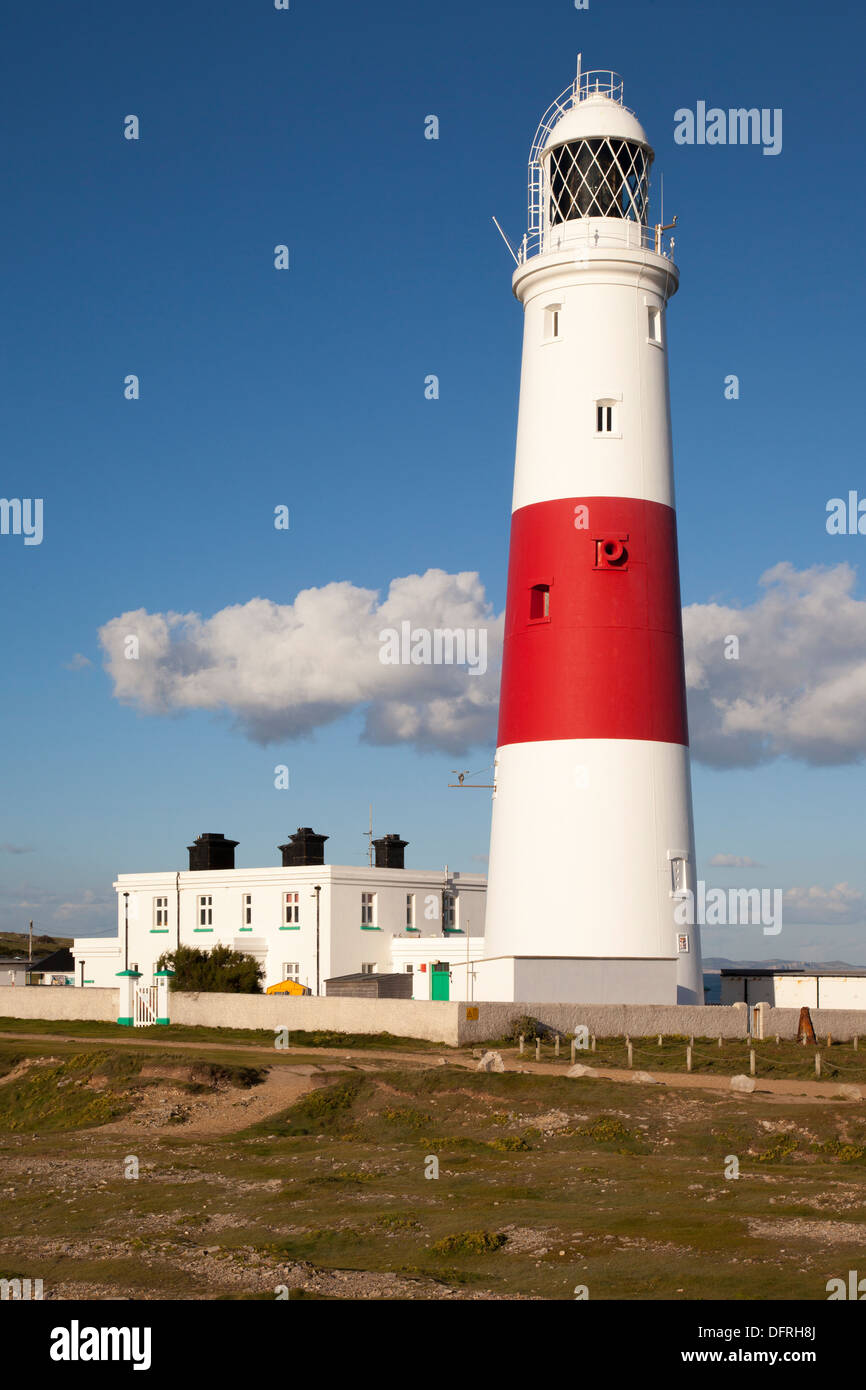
[{"x": 592, "y": 861}]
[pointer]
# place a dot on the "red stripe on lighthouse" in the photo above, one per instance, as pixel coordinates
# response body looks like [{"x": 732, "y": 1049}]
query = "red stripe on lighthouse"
[{"x": 593, "y": 625}]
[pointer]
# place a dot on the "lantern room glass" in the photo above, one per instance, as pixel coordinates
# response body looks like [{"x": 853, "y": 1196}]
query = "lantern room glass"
[{"x": 599, "y": 177}]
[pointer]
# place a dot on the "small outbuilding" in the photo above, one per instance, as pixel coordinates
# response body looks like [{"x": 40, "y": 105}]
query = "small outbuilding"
[
  {"x": 794, "y": 988},
  {"x": 369, "y": 986}
]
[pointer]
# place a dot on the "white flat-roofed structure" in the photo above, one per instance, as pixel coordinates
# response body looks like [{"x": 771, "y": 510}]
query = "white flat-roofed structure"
[{"x": 787, "y": 988}]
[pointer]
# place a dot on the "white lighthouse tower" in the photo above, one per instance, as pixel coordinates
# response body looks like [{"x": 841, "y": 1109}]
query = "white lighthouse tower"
[{"x": 592, "y": 844}]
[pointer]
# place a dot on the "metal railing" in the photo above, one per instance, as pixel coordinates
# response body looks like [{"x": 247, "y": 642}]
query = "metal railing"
[{"x": 582, "y": 235}]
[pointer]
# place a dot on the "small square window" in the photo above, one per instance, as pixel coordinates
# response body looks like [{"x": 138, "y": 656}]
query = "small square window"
[{"x": 368, "y": 967}]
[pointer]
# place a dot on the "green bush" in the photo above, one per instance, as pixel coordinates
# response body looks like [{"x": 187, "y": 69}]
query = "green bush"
[
  {"x": 470, "y": 1243},
  {"x": 218, "y": 971},
  {"x": 526, "y": 1026}
]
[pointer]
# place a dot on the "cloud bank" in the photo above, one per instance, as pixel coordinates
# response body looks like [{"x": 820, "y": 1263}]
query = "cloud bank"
[
  {"x": 281, "y": 671},
  {"x": 795, "y": 688}
]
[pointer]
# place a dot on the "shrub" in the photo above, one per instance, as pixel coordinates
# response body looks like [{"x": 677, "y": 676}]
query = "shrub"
[
  {"x": 219, "y": 971},
  {"x": 525, "y": 1026},
  {"x": 470, "y": 1243}
]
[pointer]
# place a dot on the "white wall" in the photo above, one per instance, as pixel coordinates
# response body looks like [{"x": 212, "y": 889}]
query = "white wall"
[
  {"x": 343, "y": 946},
  {"x": 797, "y": 991}
]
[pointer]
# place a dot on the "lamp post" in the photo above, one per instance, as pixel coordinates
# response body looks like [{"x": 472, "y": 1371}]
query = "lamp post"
[
  {"x": 317, "y": 890},
  {"x": 126, "y": 931}
]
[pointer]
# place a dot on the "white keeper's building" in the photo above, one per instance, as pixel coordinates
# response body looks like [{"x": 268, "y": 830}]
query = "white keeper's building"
[{"x": 306, "y": 921}]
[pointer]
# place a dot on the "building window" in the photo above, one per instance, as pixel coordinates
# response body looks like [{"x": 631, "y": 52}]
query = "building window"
[
  {"x": 292, "y": 971},
  {"x": 604, "y": 417},
  {"x": 368, "y": 967},
  {"x": 410, "y": 969},
  {"x": 247, "y": 910},
  {"x": 160, "y": 912},
  {"x": 205, "y": 911},
  {"x": 292, "y": 909},
  {"x": 539, "y": 602},
  {"x": 654, "y": 325},
  {"x": 410, "y": 910},
  {"x": 552, "y": 320},
  {"x": 449, "y": 911},
  {"x": 368, "y": 906}
]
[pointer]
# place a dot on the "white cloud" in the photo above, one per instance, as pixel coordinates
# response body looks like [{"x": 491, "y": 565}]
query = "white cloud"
[
  {"x": 797, "y": 688},
  {"x": 734, "y": 861},
  {"x": 283, "y": 670},
  {"x": 16, "y": 849},
  {"x": 78, "y": 662},
  {"x": 817, "y": 905}
]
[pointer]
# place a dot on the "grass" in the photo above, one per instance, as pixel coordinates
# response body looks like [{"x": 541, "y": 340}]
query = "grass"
[
  {"x": 784, "y": 1060},
  {"x": 544, "y": 1184},
  {"x": 248, "y": 1037}
]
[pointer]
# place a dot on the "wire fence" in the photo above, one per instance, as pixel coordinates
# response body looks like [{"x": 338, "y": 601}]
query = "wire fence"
[{"x": 759, "y": 1057}]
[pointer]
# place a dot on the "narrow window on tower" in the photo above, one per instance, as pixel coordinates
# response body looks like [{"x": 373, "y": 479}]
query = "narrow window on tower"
[
  {"x": 654, "y": 325},
  {"x": 604, "y": 417},
  {"x": 247, "y": 910},
  {"x": 539, "y": 602},
  {"x": 552, "y": 321}
]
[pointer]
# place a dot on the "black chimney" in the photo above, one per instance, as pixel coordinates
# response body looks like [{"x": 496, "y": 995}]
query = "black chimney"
[
  {"x": 304, "y": 847},
  {"x": 389, "y": 852},
  {"x": 212, "y": 852}
]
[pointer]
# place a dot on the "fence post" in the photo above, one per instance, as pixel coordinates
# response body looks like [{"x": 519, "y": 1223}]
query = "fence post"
[
  {"x": 856, "y": 1041},
  {"x": 751, "y": 1061},
  {"x": 521, "y": 1044},
  {"x": 660, "y": 1039},
  {"x": 630, "y": 1054},
  {"x": 556, "y": 1047},
  {"x": 593, "y": 1042},
  {"x": 573, "y": 1046},
  {"x": 688, "y": 1059},
  {"x": 720, "y": 1042},
  {"x": 817, "y": 1064},
  {"x": 538, "y": 1049}
]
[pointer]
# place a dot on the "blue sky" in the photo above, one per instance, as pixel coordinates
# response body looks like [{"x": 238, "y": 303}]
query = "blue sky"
[{"x": 306, "y": 388}]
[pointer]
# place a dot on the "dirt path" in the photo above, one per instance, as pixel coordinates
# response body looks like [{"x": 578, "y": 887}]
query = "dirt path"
[
  {"x": 222, "y": 1112},
  {"x": 282, "y": 1058}
]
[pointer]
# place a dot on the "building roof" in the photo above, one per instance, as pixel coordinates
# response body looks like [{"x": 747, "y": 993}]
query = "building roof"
[
  {"x": 58, "y": 960},
  {"x": 740, "y": 971}
]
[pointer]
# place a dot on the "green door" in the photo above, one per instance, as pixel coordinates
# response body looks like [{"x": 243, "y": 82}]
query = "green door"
[{"x": 441, "y": 979}]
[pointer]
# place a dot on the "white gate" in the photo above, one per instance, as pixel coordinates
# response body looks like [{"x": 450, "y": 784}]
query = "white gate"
[{"x": 144, "y": 1012}]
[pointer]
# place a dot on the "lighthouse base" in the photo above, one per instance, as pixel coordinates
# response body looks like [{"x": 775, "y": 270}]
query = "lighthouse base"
[{"x": 578, "y": 980}]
